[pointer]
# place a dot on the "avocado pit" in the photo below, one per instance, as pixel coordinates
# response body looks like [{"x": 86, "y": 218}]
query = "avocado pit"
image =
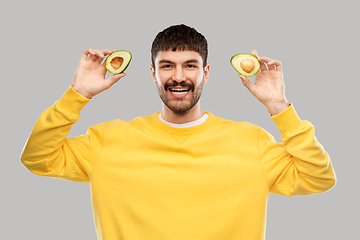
[
  {"x": 247, "y": 65},
  {"x": 116, "y": 62}
]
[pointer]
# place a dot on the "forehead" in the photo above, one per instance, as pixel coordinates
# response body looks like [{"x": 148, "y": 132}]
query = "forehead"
[{"x": 178, "y": 56}]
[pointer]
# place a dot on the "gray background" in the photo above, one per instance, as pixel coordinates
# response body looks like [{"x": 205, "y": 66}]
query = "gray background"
[{"x": 41, "y": 44}]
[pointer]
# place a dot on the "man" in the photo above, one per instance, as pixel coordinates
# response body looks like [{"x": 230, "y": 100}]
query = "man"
[{"x": 180, "y": 173}]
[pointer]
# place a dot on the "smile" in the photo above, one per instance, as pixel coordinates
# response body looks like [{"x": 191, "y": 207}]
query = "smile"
[{"x": 179, "y": 92}]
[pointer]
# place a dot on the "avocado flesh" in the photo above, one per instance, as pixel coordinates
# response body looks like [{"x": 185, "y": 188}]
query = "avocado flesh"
[
  {"x": 118, "y": 61},
  {"x": 245, "y": 64}
]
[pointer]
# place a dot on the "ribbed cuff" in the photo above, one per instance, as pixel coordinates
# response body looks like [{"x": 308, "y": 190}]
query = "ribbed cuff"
[
  {"x": 288, "y": 121},
  {"x": 71, "y": 103}
]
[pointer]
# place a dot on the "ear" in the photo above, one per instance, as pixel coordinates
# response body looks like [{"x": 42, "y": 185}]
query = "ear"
[
  {"x": 152, "y": 69},
  {"x": 206, "y": 72}
]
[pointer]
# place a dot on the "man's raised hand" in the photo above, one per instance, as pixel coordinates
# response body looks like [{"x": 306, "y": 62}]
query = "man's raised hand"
[
  {"x": 269, "y": 86},
  {"x": 89, "y": 78}
]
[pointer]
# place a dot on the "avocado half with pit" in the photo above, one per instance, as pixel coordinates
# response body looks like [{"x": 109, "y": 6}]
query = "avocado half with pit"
[
  {"x": 118, "y": 61},
  {"x": 245, "y": 64}
]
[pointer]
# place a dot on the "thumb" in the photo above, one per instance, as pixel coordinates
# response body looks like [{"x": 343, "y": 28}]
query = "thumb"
[
  {"x": 114, "y": 79},
  {"x": 247, "y": 83}
]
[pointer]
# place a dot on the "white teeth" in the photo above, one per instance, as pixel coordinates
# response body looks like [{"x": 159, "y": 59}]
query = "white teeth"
[
  {"x": 179, "y": 89},
  {"x": 178, "y": 93}
]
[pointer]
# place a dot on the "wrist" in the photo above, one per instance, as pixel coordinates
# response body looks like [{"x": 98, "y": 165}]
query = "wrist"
[
  {"x": 81, "y": 91},
  {"x": 277, "y": 107}
]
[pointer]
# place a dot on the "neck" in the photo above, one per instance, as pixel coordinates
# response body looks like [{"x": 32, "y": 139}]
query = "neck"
[{"x": 189, "y": 116}]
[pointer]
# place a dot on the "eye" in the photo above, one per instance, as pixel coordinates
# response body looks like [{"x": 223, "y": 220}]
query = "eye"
[
  {"x": 191, "y": 66},
  {"x": 166, "y": 66}
]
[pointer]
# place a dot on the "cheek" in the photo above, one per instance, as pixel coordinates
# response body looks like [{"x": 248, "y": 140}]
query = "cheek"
[
  {"x": 162, "y": 78},
  {"x": 199, "y": 77}
]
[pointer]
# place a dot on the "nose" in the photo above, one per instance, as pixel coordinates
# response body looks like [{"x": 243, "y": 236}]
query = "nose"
[{"x": 179, "y": 75}]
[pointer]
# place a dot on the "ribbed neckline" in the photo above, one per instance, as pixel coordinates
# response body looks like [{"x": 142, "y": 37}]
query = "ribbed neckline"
[
  {"x": 183, "y": 131},
  {"x": 185, "y": 125}
]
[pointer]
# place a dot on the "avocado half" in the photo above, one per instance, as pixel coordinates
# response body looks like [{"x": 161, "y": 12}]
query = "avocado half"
[
  {"x": 245, "y": 64},
  {"x": 118, "y": 61}
]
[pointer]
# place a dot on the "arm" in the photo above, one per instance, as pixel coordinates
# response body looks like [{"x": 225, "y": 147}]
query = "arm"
[
  {"x": 48, "y": 152},
  {"x": 299, "y": 165}
]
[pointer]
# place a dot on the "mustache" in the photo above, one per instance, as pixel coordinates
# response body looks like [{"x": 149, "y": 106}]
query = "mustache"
[{"x": 172, "y": 83}]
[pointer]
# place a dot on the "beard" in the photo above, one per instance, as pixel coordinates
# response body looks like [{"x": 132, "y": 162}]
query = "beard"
[{"x": 180, "y": 105}]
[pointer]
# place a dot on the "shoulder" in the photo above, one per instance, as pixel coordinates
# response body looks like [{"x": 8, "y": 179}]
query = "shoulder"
[
  {"x": 137, "y": 122},
  {"x": 236, "y": 125},
  {"x": 240, "y": 129},
  {"x": 239, "y": 133}
]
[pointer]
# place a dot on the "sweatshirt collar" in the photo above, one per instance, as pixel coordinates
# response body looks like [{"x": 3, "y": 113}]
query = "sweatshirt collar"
[
  {"x": 185, "y": 125},
  {"x": 183, "y": 131}
]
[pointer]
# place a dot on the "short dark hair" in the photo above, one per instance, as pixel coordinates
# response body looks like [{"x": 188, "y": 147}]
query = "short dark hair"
[{"x": 179, "y": 37}]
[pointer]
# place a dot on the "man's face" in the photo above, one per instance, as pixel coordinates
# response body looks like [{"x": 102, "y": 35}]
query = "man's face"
[{"x": 179, "y": 77}]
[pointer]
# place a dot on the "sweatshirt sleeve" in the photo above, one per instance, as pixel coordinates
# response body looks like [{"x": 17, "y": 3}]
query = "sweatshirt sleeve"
[
  {"x": 299, "y": 165},
  {"x": 48, "y": 152}
]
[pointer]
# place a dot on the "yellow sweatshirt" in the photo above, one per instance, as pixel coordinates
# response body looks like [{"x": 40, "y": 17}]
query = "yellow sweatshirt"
[{"x": 150, "y": 181}]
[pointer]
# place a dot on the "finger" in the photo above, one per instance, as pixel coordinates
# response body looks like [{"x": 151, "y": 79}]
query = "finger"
[
  {"x": 266, "y": 61},
  {"x": 114, "y": 79},
  {"x": 271, "y": 66},
  {"x": 276, "y": 64},
  {"x": 100, "y": 55},
  {"x": 247, "y": 83},
  {"x": 263, "y": 65},
  {"x": 271, "y": 62},
  {"x": 92, "y": 54},
  {"x": 254, "y": 52},
  {"x": 86, "y": 53},
  {"x": 106, "y": 52}
]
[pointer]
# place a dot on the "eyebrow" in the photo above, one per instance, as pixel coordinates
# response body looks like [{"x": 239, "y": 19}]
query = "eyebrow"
[{"x": 188, "y": 61}]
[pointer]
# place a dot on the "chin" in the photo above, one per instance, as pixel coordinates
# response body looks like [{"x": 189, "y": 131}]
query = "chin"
[
  {"x": 179, "y": 105},
  {"x": 183, "y": 108}
]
